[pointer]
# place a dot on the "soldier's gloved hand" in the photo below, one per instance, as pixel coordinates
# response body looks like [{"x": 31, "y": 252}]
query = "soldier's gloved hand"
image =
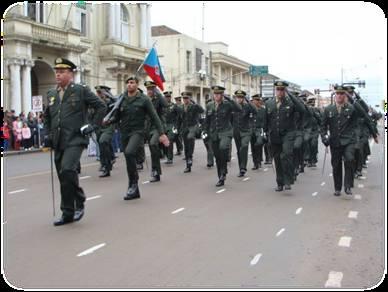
[
  {"x": 265, "y": 138},
  {"x": 87, "y": 129},
  {"x": 164, "y": 140},
  {"x": 174, "y": 130},
  {"x": 203, "y": 135},
  {"x": 350, "y": 98},
  {"x": 326, "y": 140}
]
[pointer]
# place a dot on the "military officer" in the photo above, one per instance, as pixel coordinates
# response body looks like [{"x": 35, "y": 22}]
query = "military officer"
[
  {"x": 189, "y": 126},
  {"x": 258, "y": 136},
  {"x": 178, "y": 140},
  {"x": 242, "y": 129},
  {"x": 279, "y": 123},
  {"x": 131, "y": 115},
  {"x": 105, "y": 133},
  {"x": 206, "y": 140},
  {"x": 173, "y": 116},
  {"x": 311, "y": 127},
  {"x": 65, "y": 120},
  {"x": 340, "y": 120},
  {"x": 298, "y": 142},
  {"x": 218, "y": 126},
  {"x": 159, "y": 103}
]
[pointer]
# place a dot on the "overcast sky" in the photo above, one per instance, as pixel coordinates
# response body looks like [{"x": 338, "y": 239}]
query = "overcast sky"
[{"x": 306, "y": 43}]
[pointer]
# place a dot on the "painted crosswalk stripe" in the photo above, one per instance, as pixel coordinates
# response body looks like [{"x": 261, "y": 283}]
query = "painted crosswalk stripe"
[
  {"x": 360, "y": 186},
  {"x": 247, "y": 178},
  {"x": 85, "y": 177},
  {"x": 280, "y": 232},
  {"x": 334, "y": 280},
  {"x": 177, "y": 211},
  {"x": 220, "y": 191},
  {"x": 357, "y": 197},
  {"x": 91, "y": 250},
  {"x": 345, "y": 241},
  {"x": 314, "y": 194},
  {"x": 92, "y": 198},
  {"x": 256, "y": 259},
  {"x": 323, "y": 183},
  {"x": 145, "y": 182},
  {"x": 330, "y": 174},
  {"x": 353, "y": 214},
  {"x": 297, "y": 212},
  {"x": 17, "y": 191},
  {"x": 265, "y": 169}
]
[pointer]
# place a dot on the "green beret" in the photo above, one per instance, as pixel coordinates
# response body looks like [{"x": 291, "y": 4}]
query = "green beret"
[
  {"x": 148, "y": 84},
  {"x": 132, "y": 78},
  {"x": 240, "y": 93},
  {"x": 61, "y": 63},
  {"x": 99, "y": 87},
  {"x": 218, "y": 89},
  {"x": 281, "y": 84}
]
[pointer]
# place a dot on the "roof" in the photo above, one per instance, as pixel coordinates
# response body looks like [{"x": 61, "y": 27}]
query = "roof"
[{"x": 161, "y": 30}]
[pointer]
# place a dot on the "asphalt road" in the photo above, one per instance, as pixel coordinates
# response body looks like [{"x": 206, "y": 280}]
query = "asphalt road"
[{"x": 184, "y": 232}]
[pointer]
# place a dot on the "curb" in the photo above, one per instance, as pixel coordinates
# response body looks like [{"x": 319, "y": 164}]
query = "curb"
[{"x": 22, "y": 152}]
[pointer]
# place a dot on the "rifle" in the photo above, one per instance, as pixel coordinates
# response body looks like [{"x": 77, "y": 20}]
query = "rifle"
[{"x": 108, "y": 118}]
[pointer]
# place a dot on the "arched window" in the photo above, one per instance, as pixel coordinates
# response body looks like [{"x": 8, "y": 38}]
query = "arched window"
[
  {"x": 124, "y": 14},
  {"x": 124, "y": 17}
]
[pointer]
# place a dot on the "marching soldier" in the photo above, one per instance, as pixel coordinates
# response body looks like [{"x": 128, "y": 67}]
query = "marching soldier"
[
  {"x": 242, "y": 131},
  {"x": 178, "y": 140},
  {"x": 189, "y": 127},
  {"x": 219, "y": 128},
  {"x": 173, "y": 115},
  {"x": 66, "y": 122},
  {"x": 340, "y": 120},
  {"x": 131, "y": 114},
  {"x": 298, "y": 142},
  {"x": 105, "y": 133},
  {"x": 206, "y": 140},
  {"x": 258, "y": 136},
  {"x": 267, "y": 152},
  {"x": 159, "y": 104},
  {"x": 279, "y": 123}
]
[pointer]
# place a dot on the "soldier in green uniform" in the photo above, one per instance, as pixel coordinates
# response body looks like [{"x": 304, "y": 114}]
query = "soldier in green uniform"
[
  {"x": 242, "y": 129},
  {"x": 311, "y": 127},
  {"x": 189, "y": 127},
  {"x": 206, "y": 139},
  {"x": 178, "y": 139},
  {"x": 279, "y": 123},
  {"x": 65, "y": 120},
  {"x": 258, "y": 136},
  {"x": 340, "y": 120},
  {"x": 105, "y": 133},
  {"x": 173, "y": 116},
  {"x": 159, "y": 103},
  {"x": 298, "y": 142},
  {"x": 218, "y": 126},
  {"x": 131, "y": 115}
]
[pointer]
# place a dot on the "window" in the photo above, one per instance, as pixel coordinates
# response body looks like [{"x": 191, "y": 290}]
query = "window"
[
  {"x": 124, "y": 17},
  {"x": 198, "y": 59},
  {"x": 124, "y": 13},
  {"x": 188, "y": 61},
  {"x": 35, "y": 11},
  {"x": 83, "y": 24},
  {"x": 207, "y": 65}
]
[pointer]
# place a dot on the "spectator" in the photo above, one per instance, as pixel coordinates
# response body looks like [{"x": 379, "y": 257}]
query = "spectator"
[
  {"x": 17, "y": 133},
  {"x": 6, "y": 135},
  {"x": 41, "y": 132},
  {"x": 26, "y": 137},
  {"x": 33, "y": 125}
]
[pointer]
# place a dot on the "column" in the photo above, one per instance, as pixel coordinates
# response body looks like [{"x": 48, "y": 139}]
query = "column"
[
  {"x": 230, "y": 83},
  {"x": 143, "y": 26},
  {"x": 15, "y": 97},
  {"x": 112, "y": 18},
  {"x": 117, "y": 21},
  {"x": 26, "y": 85},
  {"x": 219, "y": 74},
  {"x": 149, "y": 40},
  {"x": 75, "y": 58}
]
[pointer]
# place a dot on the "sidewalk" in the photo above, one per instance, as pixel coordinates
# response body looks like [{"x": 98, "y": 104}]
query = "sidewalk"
[{"x": 20, "y": 152}]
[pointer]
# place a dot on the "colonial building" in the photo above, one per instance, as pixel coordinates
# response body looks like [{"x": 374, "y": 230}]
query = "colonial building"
[{"x": 106, "y": 41}]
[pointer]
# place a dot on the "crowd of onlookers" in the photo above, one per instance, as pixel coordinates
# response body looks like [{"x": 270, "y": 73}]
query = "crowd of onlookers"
[{"x": 21, "y": 132}]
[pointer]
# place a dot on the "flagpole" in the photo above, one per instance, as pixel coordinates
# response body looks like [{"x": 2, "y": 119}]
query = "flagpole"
[{"x": 142, "y": 63}]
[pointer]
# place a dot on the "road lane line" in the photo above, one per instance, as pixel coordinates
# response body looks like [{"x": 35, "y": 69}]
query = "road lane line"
[
  {"x": 334, "y": 280},
  {"x": 357, "y": 197},
  {"x": 92, "y": 198},
  {"x": 297, "y": 212},
  {"x": 362, "y": 177},
  {"x": 280, "y": 232},
  {"x": 330, "y": 174},
  {"x": 85, "y": 177},
  {"x": 220, "y": 191},
  {"x": 345, "y": 241},
  {"x": 177, "y": 211},
  {"x": 360, "y": 186},
  {"x": 256, "y": 259},
  {"x": 233, "y": 158},
  {"x": 353, "y": 214},
  {"x": 91, "y": 250},
  {"x": 145, "y": 182},
  {"x": 247, "y": 178},
  {"x": 17, "y": 191},
  {"x": 265, "y": 169},
  {"x": 314, "y": 194},
  {"x": 322, "y": 184}
]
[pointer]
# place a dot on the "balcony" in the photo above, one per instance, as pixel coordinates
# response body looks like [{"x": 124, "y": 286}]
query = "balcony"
[
  {"x": 117, "y": 51},
  {"x": 21, "y": 28}
]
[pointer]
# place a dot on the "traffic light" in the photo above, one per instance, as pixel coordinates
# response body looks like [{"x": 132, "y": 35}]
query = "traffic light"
[{"x": 316, "y": 91}]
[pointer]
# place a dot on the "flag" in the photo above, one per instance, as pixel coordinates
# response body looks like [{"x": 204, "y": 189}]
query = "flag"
[{"x": 153, "y": 68}]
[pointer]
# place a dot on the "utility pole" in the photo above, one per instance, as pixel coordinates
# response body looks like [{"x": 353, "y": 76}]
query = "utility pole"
[{"x": 203, "y": 59}]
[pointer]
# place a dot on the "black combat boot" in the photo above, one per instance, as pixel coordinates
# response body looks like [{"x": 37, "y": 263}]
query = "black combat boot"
[{"x": 155, "y": 177}]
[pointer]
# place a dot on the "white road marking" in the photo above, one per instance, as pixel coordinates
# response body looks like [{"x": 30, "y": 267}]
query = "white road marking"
[
  {"x": 323, "y": 183},
  {"x": 256, "y": 259},
  {"x": 314, "y": 194},
  {"x": 220, "y": 191},
  {"x": 17, "y": 191},
  {"x": 330, "y": 174},
  {"x": 280, "y": 232},
  {"x": 357, "y": 197},
  {"x": 247, "y": 178},
  {"x": 250, "y": 153},
  {"x": 297, "y": 212},
  {"x": 85, "y": 177},
  {"x": 177, "y": 211},
  {"x": 360, "y": 186},
  {"x": 145, "y": 182},
  {"x": 91, "y": 250},
  {"x": 362, "y": 177},
  {"x": 344, "y": 241},
  {"x": 334, "y": 280},
  {"x": 265, "y": 169},
  {"x": 92, "y": 198},
  {"x": 353, "y": 214},
  {"x": 233, "y": 158}
]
